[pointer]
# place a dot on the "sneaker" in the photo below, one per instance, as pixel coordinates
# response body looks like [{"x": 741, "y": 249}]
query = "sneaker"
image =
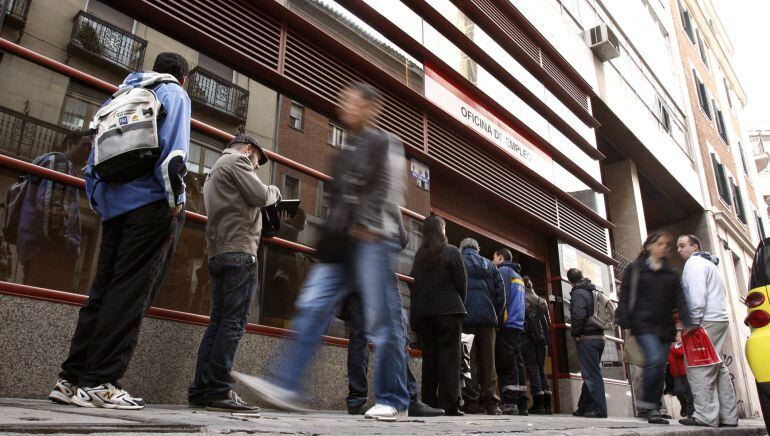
[
  {"x": 418, "y": 408},
  {"x": 63, "y": 392},
  {"x": 381, "y": 412},
  {"x": 108, "y": 396},
  {"x": 233, "y": 404},
  {"x": 509, "y": 409},
  {"x": 269, "y": 393},
  {"x": 692, "y": 422}
]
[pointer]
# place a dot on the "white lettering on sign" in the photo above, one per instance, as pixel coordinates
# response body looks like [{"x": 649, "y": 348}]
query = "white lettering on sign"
[{"x": 462, "y": 107}]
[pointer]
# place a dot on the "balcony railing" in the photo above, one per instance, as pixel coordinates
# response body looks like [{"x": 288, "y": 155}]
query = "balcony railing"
[
  {"x": 26, "y": 138},
  {"x": 218, "y": 94},
  {"x": 16, "y": 13},
  {"x": 107, "y": 42}
]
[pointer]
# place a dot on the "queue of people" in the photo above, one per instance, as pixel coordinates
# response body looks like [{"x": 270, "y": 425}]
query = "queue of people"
[{"x": 140, "y": 198}]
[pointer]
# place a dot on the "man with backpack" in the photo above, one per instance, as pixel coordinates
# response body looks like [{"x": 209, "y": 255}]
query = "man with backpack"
[
  {"x": 589, "y": 339},
  {"x": 537, "y": 338},
  {"x": 134, "y": 181},
  {"x": 508, "y": 359}
]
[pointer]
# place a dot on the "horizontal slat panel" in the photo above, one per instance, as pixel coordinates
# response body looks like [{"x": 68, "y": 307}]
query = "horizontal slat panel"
[{"x": 580, "y": 227}]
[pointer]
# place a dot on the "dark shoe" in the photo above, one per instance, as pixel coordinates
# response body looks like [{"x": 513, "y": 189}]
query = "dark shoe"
[
  {"x": 356, "y": 410},
  {"x": 472, "y": 409},
  {"x": 418, "y": 408},
  {"x": 642, "y": 414},
  {"x": 657, "y": 419},
  {"x": 537, "y": 405},
  {"x": 728, "y": 425},
  {"x": 548, "y": 409},
  {"x": 456, "y": 412},
  {"x": 493, "y": 410},
  {"x": 523, "y": 403},
  {"x": 593, "y": 414},
  {"x": 666, "y": 416},
  {"x": 509, "y": 409},
  {"x": 577, "y": 413},
  {"x": 195, "y": 404},
  {"x": 232, "y": 404},
  {"x": 692, "y": 422}
]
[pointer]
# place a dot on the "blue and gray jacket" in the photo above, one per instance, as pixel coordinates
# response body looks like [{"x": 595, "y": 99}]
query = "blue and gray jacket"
[
  {"x": 485, "y": 300},
  {"x": 515, "y": 293},
  {"x": 166, "y": 182}
]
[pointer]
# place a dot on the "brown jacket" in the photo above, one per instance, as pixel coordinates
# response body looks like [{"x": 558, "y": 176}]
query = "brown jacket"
[{"x": 233, "y": 195}]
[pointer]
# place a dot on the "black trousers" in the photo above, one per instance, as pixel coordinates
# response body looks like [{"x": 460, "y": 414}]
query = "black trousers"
[
  {"x": 441, "y": 354},
  {"x": 510, "y": 365},
  {"x": 134, "y": 256}
]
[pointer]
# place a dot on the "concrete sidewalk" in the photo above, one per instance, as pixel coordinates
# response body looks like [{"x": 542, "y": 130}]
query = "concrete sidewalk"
[{"x": 43, "y": 417}]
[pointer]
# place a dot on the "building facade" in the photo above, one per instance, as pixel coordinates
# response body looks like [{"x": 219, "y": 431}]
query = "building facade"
[{"x": 516, "y": 131}]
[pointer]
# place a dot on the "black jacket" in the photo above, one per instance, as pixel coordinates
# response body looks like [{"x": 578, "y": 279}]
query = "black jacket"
[
  {"x": 581, "y": 307},
  {"x": 441, "y": 290},
  {"x": 658, "y": 295},
  {"x": 485, "y": 301}
]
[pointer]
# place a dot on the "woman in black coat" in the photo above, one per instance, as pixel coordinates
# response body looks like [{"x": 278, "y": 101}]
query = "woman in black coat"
[
  {"x": 437, "y": 313},
  {"x": 651, "y": 292}
]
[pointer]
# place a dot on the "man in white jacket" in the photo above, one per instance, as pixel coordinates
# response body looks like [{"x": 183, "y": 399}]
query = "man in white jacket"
[{"x": 704, "y": 289}]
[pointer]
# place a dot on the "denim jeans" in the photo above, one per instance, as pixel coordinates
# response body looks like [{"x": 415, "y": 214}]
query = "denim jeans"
[
  {"x": 534, "y": 359},
  {"x": 372, "y": 266},
  {"x": 592, "y": 394},
  {"x": 358, "y": 358},
  {"x": 655, "y": 351},
  {"x": 234, "y": 282}
]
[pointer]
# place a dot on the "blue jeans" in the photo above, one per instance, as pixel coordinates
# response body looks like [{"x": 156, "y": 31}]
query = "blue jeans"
[
  {"x": 372, "y": 267},
  {"x": 234, "y": 282},
  {"x": 592, "y": 394},
  {"x": 655, "y": 357},
  {"x": 358, "y": 358}
]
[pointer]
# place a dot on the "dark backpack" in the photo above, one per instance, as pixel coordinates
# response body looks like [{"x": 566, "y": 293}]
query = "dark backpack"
[{"x": 536, "y": 325}]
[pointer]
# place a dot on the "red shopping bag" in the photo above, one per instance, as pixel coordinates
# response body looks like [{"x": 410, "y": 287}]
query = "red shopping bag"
[{"x": 698, "y": 349}]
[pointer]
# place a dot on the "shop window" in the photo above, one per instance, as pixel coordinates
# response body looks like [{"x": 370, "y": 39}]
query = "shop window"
[
  {"x": 336, "y": 136},
  {"x": 80, "y": 105},
  {"x": 290, "y": 189},
  {"x": 296, "y": 115},
  {"x": 721, "y": 178},
  {"x": 703, "y": 96}
]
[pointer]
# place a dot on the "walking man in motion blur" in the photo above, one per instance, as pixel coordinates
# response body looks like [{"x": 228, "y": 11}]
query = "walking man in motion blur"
[{"x": 357, "y": 250}]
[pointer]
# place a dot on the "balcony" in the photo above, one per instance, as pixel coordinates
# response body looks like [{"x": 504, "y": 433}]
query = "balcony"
[
  {"x": 110, "y": 44},
  {"x": 217, "y": 96},
  {"x": 26, "y": 138},
  {"x": 16, "y": 13}
]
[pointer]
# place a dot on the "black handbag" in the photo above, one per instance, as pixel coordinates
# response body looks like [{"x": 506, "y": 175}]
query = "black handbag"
[{"x": 271, "y": 223}]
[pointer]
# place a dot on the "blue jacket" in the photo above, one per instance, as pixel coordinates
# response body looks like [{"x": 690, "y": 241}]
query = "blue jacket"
[
  {"x": 165, "y": 183},
  {"x": 515, "y": 293},
  {"x": 485, "y": 300}
]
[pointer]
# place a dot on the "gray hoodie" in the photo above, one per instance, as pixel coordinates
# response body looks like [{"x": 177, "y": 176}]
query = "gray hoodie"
[{"x": 704, "y": 289}]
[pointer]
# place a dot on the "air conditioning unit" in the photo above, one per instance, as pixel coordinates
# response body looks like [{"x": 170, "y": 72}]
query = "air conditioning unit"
[{"x": 604, "y": 43}]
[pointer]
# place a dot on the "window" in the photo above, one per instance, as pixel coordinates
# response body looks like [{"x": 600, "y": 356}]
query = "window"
[
  {"x": 703, "y": 96},
  {"x": 743, "y": 158},
  {"x": 290, "y": 189},
  {"x": 702, "y": 49},
  {"x": 727, "y": 92},
  {"x": 110, "y": 15},
  {"x": 721, "y": 178},
  {"x": 721, "y": 127},
  {"x": 322, "y": 201},
  {"x": 760, "y": 226},
  {"x": 739, "y": 210},
  {"x": 217, "y": 68},
  {"x": 336, "y": 136},
  {"x": 296, "y": 115},
  {"x": 687, "y": 23},
  {"x": 663, "y": 115},
  {"x": 80, "y": 105}
]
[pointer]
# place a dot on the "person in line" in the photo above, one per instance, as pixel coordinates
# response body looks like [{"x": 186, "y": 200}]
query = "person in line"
[
  {"x": 590, "y": 346},
  {"x": 485, "y": 303},
  {"x": 651, "y": 293},
  {"x": 141, "y": 223},
  {"x": 438, "y": 308},
  {"x": 508, "y": 359},
  {"x": 233, "y": 195},
  {"x": 537, "y": 338},
  {"x": 712, "y": 390},
  {"x": 359, "y": 242}
]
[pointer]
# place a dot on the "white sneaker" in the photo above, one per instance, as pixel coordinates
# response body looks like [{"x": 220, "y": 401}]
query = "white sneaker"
[
  {"x": 63, "y": 392},
  {"x": 382, "y": 412},
  {"x": 108, "y": 396},
  {"x": 269, "y": 393}
]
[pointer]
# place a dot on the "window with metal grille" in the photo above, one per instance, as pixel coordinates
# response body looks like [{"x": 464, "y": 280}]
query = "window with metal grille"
[
  {"x": 721, "y": 178},
  {"x": 336, "y": 136},
  {"x": 703, "y": 95},
  {"x": 739, "y": 209},
  {"x": 296, "y": 115}
]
